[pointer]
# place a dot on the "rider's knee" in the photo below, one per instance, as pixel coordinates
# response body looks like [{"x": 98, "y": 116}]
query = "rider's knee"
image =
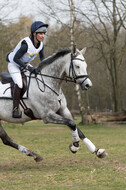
[{"x": 20, "y": 85}]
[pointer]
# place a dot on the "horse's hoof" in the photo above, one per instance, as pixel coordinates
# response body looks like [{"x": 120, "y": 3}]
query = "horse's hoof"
[
  {"x": 38, "y": 158},
  {"x": 74, "y": 147},
  {"x": 101, "y": 153}
]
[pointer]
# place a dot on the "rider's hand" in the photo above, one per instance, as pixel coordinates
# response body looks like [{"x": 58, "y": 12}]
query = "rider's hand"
[{"x": 30, "y": 69}]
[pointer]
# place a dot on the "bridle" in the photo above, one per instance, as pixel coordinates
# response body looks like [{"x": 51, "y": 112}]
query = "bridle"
[
  {"x": 72, "y": 70},
  {"x": 67, "y": 79}
]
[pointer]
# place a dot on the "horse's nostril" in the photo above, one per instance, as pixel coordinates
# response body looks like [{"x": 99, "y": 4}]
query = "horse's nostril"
[{"x": 87, "y": 86}]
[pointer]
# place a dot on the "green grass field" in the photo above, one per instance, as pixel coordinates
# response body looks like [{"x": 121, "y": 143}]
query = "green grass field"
[{"x": 60, "y": 169}]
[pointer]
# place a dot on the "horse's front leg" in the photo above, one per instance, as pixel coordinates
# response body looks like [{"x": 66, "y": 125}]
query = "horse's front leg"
[
  {"x": 8, "y": 141},
  {"x": 56, "y": 118},
  {"x": 100, "y": 153},
  {"x": 91, "y": 147}
]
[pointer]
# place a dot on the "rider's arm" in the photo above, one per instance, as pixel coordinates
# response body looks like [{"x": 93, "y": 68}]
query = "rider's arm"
[
  {"x": 41, "y": 54},
  {"x": 20, "y": 53}
]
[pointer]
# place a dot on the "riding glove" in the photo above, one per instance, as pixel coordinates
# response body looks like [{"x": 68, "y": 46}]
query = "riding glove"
[{"x": 30, "y": 69}]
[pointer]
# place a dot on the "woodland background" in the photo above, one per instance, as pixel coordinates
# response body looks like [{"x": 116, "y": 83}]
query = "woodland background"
[{"x": 101, "y": 28}]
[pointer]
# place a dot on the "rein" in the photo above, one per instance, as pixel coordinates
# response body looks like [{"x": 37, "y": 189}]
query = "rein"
[
  {"x": 65, "y": 79},
  {"x": 42, "y": 81}
]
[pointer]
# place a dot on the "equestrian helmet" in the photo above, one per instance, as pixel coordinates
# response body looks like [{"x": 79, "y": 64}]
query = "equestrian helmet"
[{"x": 38, "y": 26}]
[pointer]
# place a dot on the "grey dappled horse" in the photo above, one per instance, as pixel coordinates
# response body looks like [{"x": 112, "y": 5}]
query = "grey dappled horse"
[{"x": 47, "y": 100}]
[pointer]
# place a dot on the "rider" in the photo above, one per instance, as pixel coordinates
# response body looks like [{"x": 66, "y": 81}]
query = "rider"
[{"x": 20, "y": 58}]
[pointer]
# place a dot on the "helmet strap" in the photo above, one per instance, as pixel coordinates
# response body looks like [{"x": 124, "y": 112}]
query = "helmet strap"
[{"x": 35, "y": 38}]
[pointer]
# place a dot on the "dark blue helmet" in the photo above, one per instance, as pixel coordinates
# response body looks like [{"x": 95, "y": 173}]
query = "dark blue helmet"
[{"x": 38, "y": 26}]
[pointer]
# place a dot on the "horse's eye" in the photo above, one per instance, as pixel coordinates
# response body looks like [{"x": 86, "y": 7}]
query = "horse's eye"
[{"x": 78, "y": 67}]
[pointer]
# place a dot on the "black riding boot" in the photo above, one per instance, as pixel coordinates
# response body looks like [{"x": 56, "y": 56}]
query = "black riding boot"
[{"x": 16, "y": 99}]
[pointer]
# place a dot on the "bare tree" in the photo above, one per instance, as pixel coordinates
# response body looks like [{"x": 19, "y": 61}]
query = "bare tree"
[
  {"x": 107, "y": 19},
  {"x": 72, "y": 28}
]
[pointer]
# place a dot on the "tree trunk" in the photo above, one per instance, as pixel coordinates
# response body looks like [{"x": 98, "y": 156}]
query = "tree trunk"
[
  {"x": 101, "y": 117},
  {"x": 77, "y": 88},
  {"x": 81, "y": 107}
]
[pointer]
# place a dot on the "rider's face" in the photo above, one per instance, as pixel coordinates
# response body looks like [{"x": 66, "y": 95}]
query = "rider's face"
[{"x": 40, "y": 36}]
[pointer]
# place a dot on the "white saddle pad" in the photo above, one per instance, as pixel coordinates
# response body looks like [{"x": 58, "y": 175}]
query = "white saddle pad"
[{"x": 5, "y": 91}]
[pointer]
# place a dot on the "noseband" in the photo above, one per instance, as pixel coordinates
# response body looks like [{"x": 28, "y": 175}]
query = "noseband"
[{"x": 71, "y": 68}]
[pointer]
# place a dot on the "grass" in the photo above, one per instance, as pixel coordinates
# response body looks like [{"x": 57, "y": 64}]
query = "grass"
[{"x": 60, "y": 169}]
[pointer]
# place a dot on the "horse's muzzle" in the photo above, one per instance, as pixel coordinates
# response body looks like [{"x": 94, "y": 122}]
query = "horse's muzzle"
[{"x": 86, "y": 84}]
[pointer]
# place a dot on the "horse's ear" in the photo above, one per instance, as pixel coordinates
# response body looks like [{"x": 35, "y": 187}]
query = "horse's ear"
[
  {"x": 74, "y": 49},
  {"x": 83, "y": 51}
]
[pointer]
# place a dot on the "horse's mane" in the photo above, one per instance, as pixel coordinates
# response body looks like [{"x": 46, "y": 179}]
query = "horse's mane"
[{"x": 52, "y": 58}]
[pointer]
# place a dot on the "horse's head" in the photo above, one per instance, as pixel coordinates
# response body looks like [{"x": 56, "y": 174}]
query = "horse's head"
[
  {"x": 74, "y": 68},
  {"x": 78, "y": 69}
]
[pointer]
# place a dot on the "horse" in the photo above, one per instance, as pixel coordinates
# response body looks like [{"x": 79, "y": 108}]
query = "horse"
[{"x": 47, "y": 100}]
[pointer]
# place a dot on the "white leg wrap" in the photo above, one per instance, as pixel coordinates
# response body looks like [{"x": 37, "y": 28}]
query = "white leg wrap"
[
  {"x": 75, "y": 136},
  {"x": 89, "y": 145},
  {"x": 74, "y": 148},
  {"x": 23, "y": 149}
]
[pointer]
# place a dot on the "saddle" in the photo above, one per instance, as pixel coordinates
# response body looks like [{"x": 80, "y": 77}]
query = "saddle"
[{"x": 6, "y": 78}]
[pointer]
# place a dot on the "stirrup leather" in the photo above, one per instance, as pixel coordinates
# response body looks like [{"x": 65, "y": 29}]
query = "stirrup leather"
[{"x": 16, "y": 113}]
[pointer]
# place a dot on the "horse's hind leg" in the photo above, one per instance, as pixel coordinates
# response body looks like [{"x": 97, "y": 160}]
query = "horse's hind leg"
[{"x": 8, "y": 141}]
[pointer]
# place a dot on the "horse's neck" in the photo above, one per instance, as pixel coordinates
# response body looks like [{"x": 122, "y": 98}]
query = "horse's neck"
[{"x": 56, "y": 69}]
